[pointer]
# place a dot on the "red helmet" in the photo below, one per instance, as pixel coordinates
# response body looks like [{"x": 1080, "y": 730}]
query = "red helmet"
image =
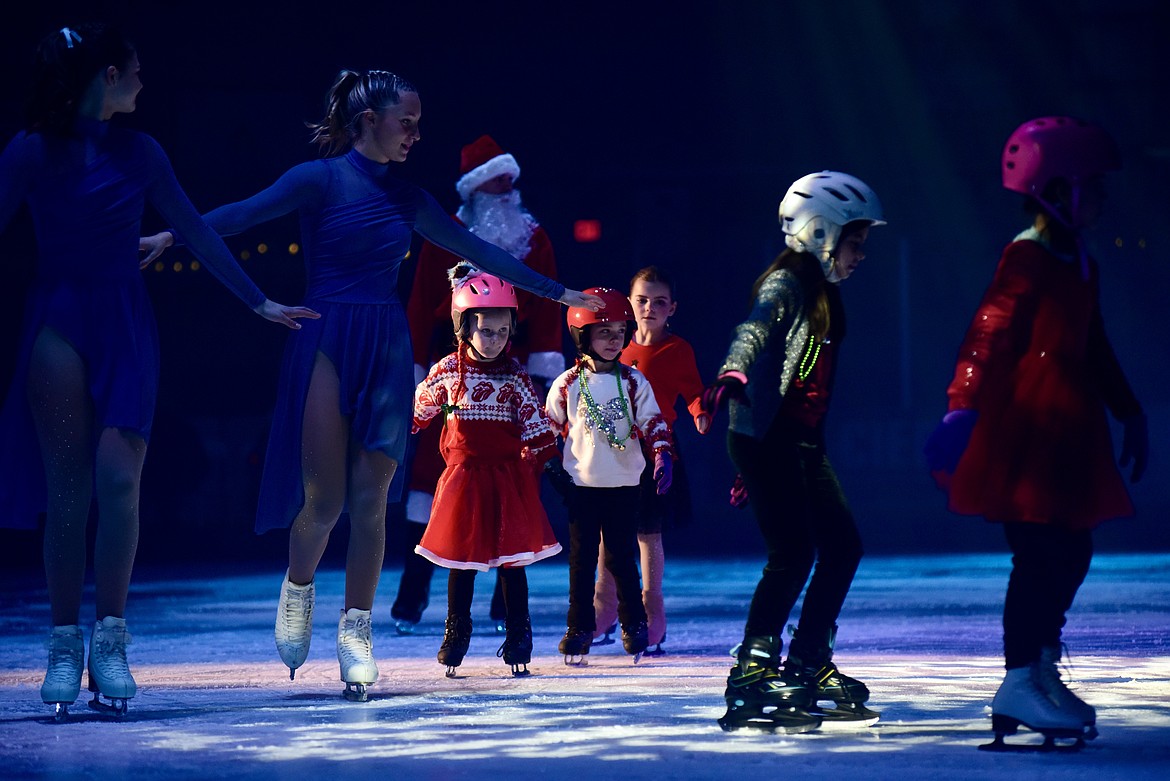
[
  {"x": 1048, "y": 148},
  {"x": 617, "y": 308}
]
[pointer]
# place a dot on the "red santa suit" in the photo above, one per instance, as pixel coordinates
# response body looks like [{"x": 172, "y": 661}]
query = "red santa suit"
[{"x": 1037, "y": 366}]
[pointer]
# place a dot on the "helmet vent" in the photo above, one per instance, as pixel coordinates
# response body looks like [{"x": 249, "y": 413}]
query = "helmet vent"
[
  {"x": 856, "y": 192},
  {"x": 836, "y": 194}
]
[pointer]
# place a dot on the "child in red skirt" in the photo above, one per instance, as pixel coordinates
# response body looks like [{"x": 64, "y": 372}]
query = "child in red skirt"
[{"x": 496, "y": 437}]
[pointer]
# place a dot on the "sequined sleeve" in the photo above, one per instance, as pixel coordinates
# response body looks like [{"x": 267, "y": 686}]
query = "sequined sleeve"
[{"x": 779, "y": 300}]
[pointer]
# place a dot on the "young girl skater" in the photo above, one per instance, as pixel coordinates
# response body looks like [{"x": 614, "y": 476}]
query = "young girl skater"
[
  {"x": 1026, "y": 442},
  {"x": 777, "y": 379},
  {"x": 344, "y": 398},
  {"x": 496, "y": 437},
  {"x": 668, "y": 362},
  {"x": 603, "y": 409},
  {"x": 78, "y": 414}
]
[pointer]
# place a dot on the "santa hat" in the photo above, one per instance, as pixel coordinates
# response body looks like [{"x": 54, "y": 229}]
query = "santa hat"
[{"x": 480, "y": 161}]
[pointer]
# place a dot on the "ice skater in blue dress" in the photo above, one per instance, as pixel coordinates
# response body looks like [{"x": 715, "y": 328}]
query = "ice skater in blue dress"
[
  {"x": 77, "y": 416},
  {"x": 343, "y": 408}
]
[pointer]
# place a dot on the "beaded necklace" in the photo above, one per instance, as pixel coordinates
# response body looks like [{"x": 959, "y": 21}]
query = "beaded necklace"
[
  {"x": 608, "y": 427},
  {"x": 811, "y": 353}
]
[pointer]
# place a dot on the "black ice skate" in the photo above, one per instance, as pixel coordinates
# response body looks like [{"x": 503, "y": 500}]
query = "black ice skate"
[
  {"x": 575, "y": 646},
  {"x": 635, "y": 639},
  {"x": 847, "y": 695},
  {"x": 760, "y": 697},
  {"x": 517, "y": 647},
  {"x": 607, "y": 638},
  {"x": 456, "y": 639},
  {"x": 657, "y": 650}
]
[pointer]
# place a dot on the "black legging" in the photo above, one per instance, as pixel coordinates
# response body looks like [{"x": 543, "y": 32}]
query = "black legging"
[
  {"x": 592, "y": 513},
  {"x": 461, "y": 590},
  {"x": 805, "y": 519},
  {"x": 1049, "y": 563}
]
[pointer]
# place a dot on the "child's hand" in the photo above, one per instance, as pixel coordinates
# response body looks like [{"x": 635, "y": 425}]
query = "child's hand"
[
  {"x": 702, "y": 423},
  {"x": 727, "y": 387},
  {"x": 739, "y": 493},
  {"x": 946, "y": 444},
  {"x": 559, "y": 478},
  {"x": 663, "y": 470}
]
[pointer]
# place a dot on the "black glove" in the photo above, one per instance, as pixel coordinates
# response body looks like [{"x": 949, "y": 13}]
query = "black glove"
[{"x": 559, "y": 478}]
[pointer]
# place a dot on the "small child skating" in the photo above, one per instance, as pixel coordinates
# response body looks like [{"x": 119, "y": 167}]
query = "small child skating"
[
  {"x": 608, "y": 416},
  {"x": 487, "y": 511},
  {"x": 1026, "y": 441},
  {"x": 668, "y": 362}
]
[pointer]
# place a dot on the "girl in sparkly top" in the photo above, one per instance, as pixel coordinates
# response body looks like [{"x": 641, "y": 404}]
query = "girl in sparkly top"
[
  {"x": 609, "y": 420},
  {"x": 487, "y": 511},
  {"x": 778, "y": 377}
]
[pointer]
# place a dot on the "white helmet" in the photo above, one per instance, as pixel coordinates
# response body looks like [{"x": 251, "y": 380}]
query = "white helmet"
[{"x": 816, "y": 208}]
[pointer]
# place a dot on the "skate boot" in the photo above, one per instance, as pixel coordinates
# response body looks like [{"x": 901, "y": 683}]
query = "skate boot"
[
  {"x": 635, "y": 639},
  {"x": 294, "y": 623},
  {"x": 607, "y": 636},
  {"x": 456, "y": 640},
  {"x": 355, "y": 653},
  {"x": 63, "y": 678},
  {"x": 814, "y": 663},
  {"x": 1048, "y": 679},
  {"x": 109, "y": 673},
  {"x": 759, "y": 696},
  {"x": 575, "y": 646},
  {"x": 1021, "y": 702},
  {"x": 517, "y": 647}
]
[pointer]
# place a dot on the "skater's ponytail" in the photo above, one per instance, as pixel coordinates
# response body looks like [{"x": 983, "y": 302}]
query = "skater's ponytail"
[
  {"x": 67, "y": 62},
  {"x": 351, "y": 95}
]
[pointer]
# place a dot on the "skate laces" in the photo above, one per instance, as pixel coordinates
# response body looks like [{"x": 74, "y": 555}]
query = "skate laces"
[
  {"x": 298, "y": 611},
  {"x": 357, "y": 638},
  {"x": 109, "y": 656},
  {"x": 66, "y": 655}
]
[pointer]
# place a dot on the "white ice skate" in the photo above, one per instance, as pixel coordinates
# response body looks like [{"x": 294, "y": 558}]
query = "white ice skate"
[
  {"x": 294, "y": 624},
  {"x": 355, "y": 653},
  {"x": 63, "y": 678},
  {"x": 109, "y": 672},
  {"x": 1021, "y": 702},
  {"x": 1049, "y": 681}
]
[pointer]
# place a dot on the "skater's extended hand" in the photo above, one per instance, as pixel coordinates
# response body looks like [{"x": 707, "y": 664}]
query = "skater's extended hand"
[
  {"x": 725, "y": 388},
  {"x": 663, "y": 470},
  {"x": 154, "y": 246},
  {"x": 1135, "y": 446},
  {"x": 946, "y": 444},
  {"x": 559, "y": 478},
  {"x": 739, "y": 493},
  {"x": 279, "y": 313}
]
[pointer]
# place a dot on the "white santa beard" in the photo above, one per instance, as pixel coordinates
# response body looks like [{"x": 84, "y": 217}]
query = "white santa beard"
[{"x": 500, "y": 220}]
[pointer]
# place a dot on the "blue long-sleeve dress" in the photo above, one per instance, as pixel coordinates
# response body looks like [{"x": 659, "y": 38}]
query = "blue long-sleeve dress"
[
  {"x": 356, "y": 222},
  {"x": 86, "y": 193}
]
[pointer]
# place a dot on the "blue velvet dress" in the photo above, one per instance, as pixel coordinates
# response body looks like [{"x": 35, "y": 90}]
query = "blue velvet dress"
[
  {"x": 86, "y": 193},
  {"x": 356, "y": 223}
]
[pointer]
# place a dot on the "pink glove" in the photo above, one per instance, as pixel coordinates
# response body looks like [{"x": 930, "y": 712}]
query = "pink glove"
[{"x": 663, "y": 470}]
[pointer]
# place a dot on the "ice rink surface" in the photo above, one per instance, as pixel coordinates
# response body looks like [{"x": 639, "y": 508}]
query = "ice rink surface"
[{"x": 922, "y": 631}]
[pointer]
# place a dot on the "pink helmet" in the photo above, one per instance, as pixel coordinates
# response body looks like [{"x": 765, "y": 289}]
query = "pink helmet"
[
  {"x": 1048, "y": 148},
  {"x": 478, "y": 290}
]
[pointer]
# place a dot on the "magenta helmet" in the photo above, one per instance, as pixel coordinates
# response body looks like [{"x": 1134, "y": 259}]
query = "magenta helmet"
[
  {"x": 1048, "y": 148},
  {"x": 478, "y": 290}
]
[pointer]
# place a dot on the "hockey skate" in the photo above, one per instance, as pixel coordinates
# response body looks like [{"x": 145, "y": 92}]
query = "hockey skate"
[
  {"x": 635, "y": 639},
  {"x": 575, "y": 646},
  {"x": 1049, "y": 681},
  {"x": 607, "y": 636},
  {"x": 294, "y": 623},
  {"x": 1021, "y": 702},
  {"x": 847, "y": 695},
  {"x": 517, "y": 647},
  {"x": 109, "y": 673},
  {"x": 760, "y": 697},
  {"x": 456, "y": 640},
  {"x": 355, "y": 653},
  {"x": 63, "y": 679}
]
